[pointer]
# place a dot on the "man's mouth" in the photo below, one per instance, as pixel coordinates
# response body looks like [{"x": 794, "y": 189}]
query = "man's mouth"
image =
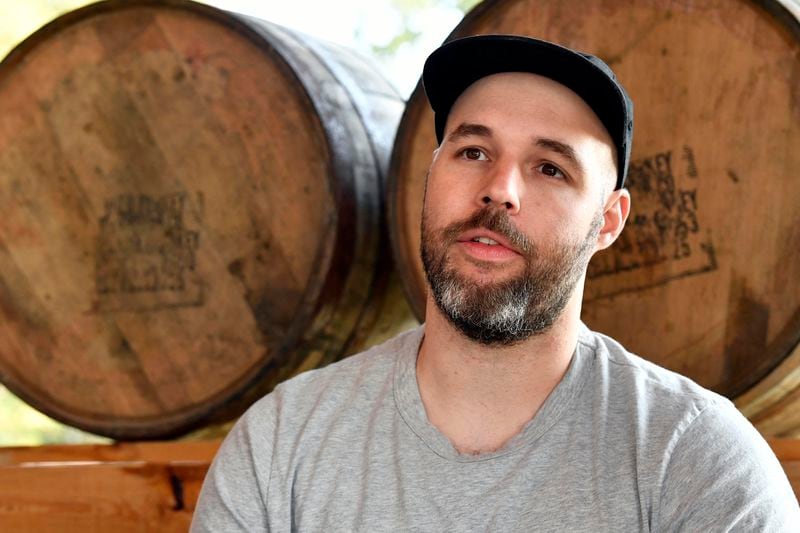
[
  {"x": 487, "y": 237},
  {"x": 489, "y": 230},
  {"x": 485, "y": 245}
]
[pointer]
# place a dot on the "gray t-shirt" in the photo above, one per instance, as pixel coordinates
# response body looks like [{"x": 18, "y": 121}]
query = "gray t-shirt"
[{"x": 619, "y": 445}]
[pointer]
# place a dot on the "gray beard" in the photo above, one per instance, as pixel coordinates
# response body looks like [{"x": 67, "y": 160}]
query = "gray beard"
[{"x": 507, "y": 312}]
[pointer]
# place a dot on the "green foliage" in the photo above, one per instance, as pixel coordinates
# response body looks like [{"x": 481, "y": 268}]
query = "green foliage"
[
  {"x": 466, "y": 5},
  {"x": 20, "y": 19},
  {"x": 407, "y": 37},
  {"x": 21, "y": 425},
  {"x": 406, "y": 9}
]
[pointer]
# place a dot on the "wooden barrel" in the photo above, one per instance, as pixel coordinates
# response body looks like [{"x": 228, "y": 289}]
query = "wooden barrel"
[
  {"x": 192, "y": 212},
  {"x": 704, "y": 278}
]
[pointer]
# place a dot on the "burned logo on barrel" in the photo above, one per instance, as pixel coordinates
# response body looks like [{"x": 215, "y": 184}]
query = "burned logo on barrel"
[
  {"x": 146, "y": 255},
  {"x": 663, "y": 234}
]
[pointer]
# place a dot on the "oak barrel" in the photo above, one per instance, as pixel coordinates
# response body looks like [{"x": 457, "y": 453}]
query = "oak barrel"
[
  {"x": 704, "y": 278},
  {"x": 192, "y": 212}
]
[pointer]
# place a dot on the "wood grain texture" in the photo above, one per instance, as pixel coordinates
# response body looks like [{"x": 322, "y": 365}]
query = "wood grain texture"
[
  {"x": 125, "y": 497},
  {"x": 773, "y": 405},
  {"x": 150, "y": 452},
  {"x": 792, "y": 469},
  {"x": 788, "y": 453},
  {"x": 703, "y": 278},
  {"x": 192, "y": 213}
]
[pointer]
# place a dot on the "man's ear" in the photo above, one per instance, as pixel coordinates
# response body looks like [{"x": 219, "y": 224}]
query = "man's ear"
[{"x": 615, "y": 213}]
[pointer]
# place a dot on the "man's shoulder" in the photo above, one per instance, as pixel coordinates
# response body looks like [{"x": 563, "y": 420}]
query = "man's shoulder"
[
  {"x": 633, "y": 374},
  {"x": 700, "y": 450},
  {"x": 643, "y": 398},
  {"x": 357, "y": 377},
  {"x": 378, "y": 360}
]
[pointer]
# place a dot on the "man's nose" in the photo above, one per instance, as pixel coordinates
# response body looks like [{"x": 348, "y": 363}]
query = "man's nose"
[{"x": 501, "y": 187}]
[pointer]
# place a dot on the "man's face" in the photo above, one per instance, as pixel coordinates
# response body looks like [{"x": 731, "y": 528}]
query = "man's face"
[{"x": 514, "y": 206}]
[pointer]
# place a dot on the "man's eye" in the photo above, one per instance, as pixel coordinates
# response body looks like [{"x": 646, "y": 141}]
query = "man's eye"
[
  {"x": 474, "y": 154},
  {"x": 551, "y": 170}
]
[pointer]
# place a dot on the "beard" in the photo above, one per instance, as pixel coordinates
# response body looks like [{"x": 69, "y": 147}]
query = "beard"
[{"x": 506, "y": 312}]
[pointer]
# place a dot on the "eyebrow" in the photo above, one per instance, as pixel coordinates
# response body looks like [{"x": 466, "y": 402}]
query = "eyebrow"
[
  {"x": 563, "y": 149},
  {"x": 466, "y": 129}
]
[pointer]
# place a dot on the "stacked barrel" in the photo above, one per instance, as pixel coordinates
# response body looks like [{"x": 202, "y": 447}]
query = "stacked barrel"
[
  {"x": 704, "y": 278},
  {"x": 192, "y": 212}
]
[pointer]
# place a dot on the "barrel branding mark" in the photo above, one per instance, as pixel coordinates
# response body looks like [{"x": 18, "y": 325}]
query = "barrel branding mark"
[
  {"x": 146, "y": 255},
  {"x": 663, "y": 239}
]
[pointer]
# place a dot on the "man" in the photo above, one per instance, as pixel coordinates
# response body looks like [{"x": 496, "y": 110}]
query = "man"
[{"x": 504, "y": 412}]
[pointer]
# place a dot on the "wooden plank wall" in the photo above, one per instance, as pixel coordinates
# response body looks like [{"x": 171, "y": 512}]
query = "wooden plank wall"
[
  {"x": 131, "y": 487},
  {"x": 137, "y": 487},
  {"x": 120, "y": 497},
  {"x": 788, "y": 452},
  {"x": 153, "y": 452}
]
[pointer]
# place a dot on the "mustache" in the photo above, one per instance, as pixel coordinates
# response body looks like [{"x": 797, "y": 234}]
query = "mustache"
[{"x": 493, "y": 219}]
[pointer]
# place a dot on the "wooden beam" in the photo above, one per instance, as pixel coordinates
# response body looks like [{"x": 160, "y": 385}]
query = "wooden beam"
[
  {"x": 154, "y": 452},
  {"x": 121, "y": 496}
]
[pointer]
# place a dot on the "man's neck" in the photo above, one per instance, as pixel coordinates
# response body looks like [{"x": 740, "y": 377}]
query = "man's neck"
[{"x": 480, "y": 396}]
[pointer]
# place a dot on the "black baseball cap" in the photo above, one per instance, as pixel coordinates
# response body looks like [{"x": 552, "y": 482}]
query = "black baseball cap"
[{"x": 458, "y": 64}]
